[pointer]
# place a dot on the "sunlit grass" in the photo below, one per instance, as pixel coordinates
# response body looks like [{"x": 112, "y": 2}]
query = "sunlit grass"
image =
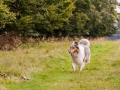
[{"x": 48, "y": 67}]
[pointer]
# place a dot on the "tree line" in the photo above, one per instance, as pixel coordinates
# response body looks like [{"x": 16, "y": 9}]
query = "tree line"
[{"x": 58, "y": 18}]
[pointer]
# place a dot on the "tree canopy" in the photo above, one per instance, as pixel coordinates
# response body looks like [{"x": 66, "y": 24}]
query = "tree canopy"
[{"x": 58, "y": 18}]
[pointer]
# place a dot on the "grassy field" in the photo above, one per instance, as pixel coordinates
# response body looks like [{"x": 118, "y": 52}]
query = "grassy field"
[{"x": 47, "y": 66}]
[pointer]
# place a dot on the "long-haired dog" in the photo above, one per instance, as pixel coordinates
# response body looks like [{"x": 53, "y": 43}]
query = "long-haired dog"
[{"x": 80, "y": 53}]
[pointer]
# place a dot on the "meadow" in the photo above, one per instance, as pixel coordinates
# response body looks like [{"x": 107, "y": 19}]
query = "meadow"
[{"x": 47, "y": 66}]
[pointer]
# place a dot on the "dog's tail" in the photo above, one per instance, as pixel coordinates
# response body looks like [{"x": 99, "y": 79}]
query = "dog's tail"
[{"x": 85, "y": 42}]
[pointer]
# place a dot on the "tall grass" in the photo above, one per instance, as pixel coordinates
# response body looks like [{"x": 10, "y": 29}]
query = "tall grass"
[{"x": 48, "y": 67}]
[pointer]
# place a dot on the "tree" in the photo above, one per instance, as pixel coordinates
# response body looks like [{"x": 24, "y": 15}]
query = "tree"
[
  {"x": 102, "y": 18},
  {"x": 80, "y": 18},
  {"x": 47, "y": 18},
  {"x": 51, "y": 16},
  {"x": 6, "y": 17},
  {"x": 22, "y": 25}
]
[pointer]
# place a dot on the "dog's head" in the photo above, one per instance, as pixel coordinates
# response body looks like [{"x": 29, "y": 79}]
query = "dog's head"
[{"x": 74, "y": 49}]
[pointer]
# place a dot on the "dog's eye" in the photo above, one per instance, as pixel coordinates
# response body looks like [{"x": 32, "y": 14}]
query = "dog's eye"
[{"x": 73, "y": 48}]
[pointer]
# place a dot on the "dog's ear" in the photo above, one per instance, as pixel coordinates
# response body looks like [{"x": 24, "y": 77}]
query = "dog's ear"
[{"x": 76, "y": 43}]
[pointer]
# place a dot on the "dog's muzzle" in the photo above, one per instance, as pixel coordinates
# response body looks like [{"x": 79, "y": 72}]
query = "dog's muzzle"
[{"x": 73, "y": 51}]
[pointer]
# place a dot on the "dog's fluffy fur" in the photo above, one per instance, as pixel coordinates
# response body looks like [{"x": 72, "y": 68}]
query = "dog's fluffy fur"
[{"x": 80, "y": 53}]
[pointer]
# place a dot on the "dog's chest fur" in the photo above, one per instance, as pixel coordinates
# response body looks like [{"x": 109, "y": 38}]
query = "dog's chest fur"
[{"x": 79, "y": 57}]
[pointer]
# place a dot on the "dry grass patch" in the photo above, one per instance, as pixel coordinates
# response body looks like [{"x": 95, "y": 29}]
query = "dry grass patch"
[{"x": 27, "y": 58}]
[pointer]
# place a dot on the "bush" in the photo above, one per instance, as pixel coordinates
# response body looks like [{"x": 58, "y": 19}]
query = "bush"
[{"x": 9, "y": 41}]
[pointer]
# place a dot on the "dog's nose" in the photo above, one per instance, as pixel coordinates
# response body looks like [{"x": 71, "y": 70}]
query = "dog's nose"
[{"x": 71, "y": 53}]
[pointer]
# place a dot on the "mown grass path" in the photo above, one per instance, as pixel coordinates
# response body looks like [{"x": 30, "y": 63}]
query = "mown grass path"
[{"x": 48, "y": 67}]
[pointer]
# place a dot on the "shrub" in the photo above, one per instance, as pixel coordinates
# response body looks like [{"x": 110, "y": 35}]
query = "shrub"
[{"x": 9, "y": 41}]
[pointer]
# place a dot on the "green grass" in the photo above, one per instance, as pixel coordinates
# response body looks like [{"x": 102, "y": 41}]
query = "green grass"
[{"x": 48, "y": 67}]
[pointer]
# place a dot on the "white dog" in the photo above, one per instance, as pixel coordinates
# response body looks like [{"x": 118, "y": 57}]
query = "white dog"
[{"x": 80, "y": 53}]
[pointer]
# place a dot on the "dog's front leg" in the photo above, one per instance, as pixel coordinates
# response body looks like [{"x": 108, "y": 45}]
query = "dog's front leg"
[
  {"x": 82, "y": 66},
  {"x": 74, "y": 66}
]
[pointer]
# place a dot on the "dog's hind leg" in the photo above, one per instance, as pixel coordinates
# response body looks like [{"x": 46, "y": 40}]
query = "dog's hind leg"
[
  {"x": 82, "y": 66},
  {"x": 74, "y": 66}
]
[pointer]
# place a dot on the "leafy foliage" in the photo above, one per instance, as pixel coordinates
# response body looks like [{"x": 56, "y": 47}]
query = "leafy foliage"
[
  {"x": 6, "y": 16},
  {"x": 59, "y": 18}
]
